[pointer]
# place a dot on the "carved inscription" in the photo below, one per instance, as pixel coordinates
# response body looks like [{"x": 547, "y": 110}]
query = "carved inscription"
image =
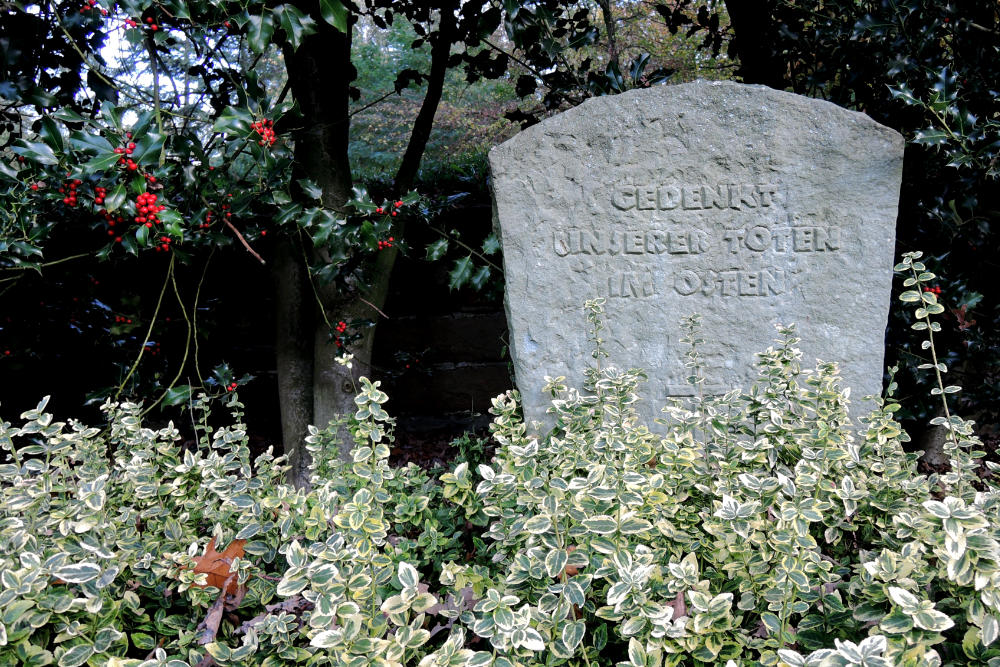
[
  {"x": 736, "y": 238},
  {"x": 693, "y": 197}
]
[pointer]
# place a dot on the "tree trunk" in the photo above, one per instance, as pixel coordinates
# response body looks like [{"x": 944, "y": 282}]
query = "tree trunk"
[
  {"x": 753, "y": 23},
  {"x": 319, "y": 73},
  {"x": 294, "y": 320}
]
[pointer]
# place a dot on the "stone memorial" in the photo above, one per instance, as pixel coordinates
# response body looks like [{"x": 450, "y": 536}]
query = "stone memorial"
[{"x": 747, "y": 205}]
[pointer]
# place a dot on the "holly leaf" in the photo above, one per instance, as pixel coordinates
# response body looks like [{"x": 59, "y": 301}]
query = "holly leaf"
[
  {"x": 295, "y": 24},
  {"x": 101, "y": 163},
  {"x": 479, "y": 278},
  {"x": 115, "y": 198},
  {"x": 460, "y": 273},
  {"x": 436, "y": 250},
  {"x": 260, "y": 32},
  {"x": 491, "y": 244},
  {"x": 335, "y": 13},
  {"x": 177, "y": 395},
  {"x": 35, "y": 151},
  {"x": 50, "y": 134}
]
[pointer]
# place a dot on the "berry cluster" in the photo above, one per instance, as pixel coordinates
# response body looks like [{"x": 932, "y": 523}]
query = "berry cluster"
[
  {"x": 933, "y": 290},
  {"x": 99, "y": 195},
  {"x": 265, "y": 128},
  {"x": 146, "y": 209},
  {"x": 111, "y": 220},
  {"x": 122, "y": 319},
  {"x": 129, "y": 23},
  {"x": 69, "y": 189},
  {"x": 382, "y": 245},
  {"x": 341, "y": 329},
  {"x": 389, "y": 211},
  {"x": 125, "y": 151},
  {"x": 164, "y": 245},
  {"x": 154, "y": 348},
  {"x": 89, "y": 5},
  {"x": 231, "y": 386}
]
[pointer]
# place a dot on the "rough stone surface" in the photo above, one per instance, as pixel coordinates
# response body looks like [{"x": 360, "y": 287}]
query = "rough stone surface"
[{"x": 750, "y": 206}]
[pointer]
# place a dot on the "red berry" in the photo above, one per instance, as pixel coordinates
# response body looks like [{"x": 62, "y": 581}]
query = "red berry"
[{"x": 34, "y": 186}]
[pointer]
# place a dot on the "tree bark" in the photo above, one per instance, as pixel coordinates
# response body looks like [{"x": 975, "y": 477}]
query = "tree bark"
[
  {"x": 442, "y": 40},
  {"x": 319, "y": 73},
  {"x": 294, "y": 320}
]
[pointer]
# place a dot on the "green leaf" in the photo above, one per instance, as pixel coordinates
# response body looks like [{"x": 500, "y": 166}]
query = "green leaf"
[
  {"x": 295, "y": 24},
  {"x": 260, "y": 32},
  {"x": 220, "y": 652},
  {"x": 636, "y": 653},
  {"x": 896, "y": 623},
  {"x": 77, "y": 573},
  {"x": 177, "y": 395},
  {"x": 491, "y": 245},
  {"x": 335, "y": 13},
  {"x": 601, "y": 524},
  {"x": 932, "y": 620},
  {"x": 632, "y": 626},
  {"x": 910, "y": 296},
  {"x": 51, "y": 135},
  {"x": 555, "y": 562},
  {"x": 772, "y": 622},
  {"x": 479, "y": 278},
  {"x": 142, "y": 235},
  {"x": 408, "y": 576},
  {"x": 633, "y": 526},
  {"x": 310, "y": 188},
  {"x": 35, "y": 151},
  {"x": 289, "y": 587},
  {"x": 233, "y": 120},
  {"x": 904, "y": 598},
  {"x": 572, "y": 634},
  {"x": 460, "y": 272},
  {"x": 147, "y": 149},
  {"x": 101, "y": 163},
  {"x": 172, "y": 221},
  {"x": 76, "y": 656},
  {"x": 537, "y": 525},
  {"x": 991, "y": 629},
  {"x": 16, "y": 610},
  {"x": 393, "y": 604},
  {"x": 437, "y": 249},
  {"x": 116, "y": 198}
]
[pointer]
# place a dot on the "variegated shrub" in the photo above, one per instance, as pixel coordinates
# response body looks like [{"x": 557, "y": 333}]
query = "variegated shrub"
[{"x": 758, "y": 527}]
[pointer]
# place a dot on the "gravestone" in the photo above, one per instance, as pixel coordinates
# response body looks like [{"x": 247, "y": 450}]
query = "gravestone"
[{"x": 747, "y": 205}]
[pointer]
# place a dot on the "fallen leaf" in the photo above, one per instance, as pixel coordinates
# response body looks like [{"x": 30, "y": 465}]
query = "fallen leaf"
[{"x": 216, "y": 566}]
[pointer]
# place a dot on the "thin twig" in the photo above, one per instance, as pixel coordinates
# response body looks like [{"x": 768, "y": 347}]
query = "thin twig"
[
  {"x": 244, "y": 242},
  {"x": 187, "y": 347},
  {"x": 149, "y": 331},
  {"x": 361, "y": 298},
  {"x": 42, "y": 266},
  {"x": 194, "y": 316}
]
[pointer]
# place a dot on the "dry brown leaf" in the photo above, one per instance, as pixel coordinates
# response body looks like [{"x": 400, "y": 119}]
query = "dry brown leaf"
[{"x": 216, "y": 566}]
